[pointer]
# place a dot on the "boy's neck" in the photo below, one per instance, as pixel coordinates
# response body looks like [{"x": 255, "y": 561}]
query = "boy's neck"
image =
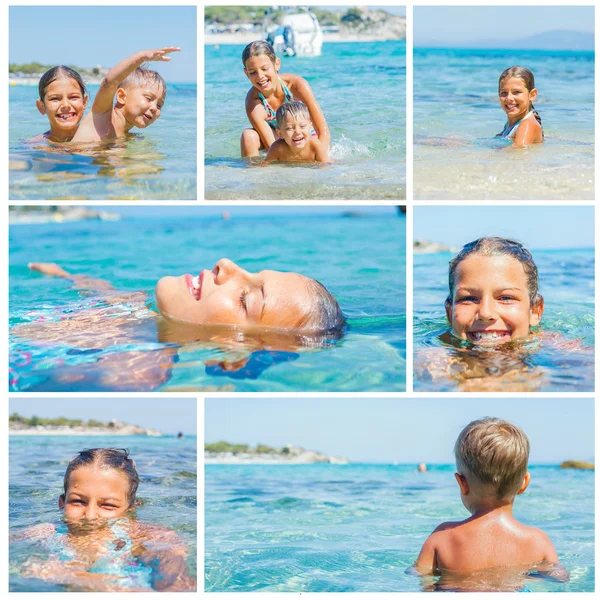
[
  {"x": 120, "y": 123},
  {"x": 488, "y": 506}
]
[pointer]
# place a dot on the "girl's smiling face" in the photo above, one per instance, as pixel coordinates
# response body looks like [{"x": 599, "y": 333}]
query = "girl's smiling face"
[
  {"x": 262, "y": 72},
  {"x": 64, "y": 105},
  {"x": 95, "y": 493},
  {"x": 229, "y": 295},
  {"x": 515, "y": 98},
  {"x": 490, "y": 301}
]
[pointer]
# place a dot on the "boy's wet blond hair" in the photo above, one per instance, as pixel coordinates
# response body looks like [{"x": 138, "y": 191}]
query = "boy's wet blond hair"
[
  {"x": 496, "y": 453},
  {"x": 296, "y": 109},
  {"x": 141, "y": 77}
]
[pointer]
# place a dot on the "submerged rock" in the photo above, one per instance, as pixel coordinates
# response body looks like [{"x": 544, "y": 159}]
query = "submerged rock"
[{"x": 577, "y": 464}]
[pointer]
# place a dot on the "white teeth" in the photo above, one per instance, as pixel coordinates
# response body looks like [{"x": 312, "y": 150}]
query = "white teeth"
[
  {"x": 482, "y": 335},
  {"x": 196, "y": 282}
]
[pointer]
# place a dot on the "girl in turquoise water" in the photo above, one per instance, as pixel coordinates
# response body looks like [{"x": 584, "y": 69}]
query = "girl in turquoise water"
[
  {"x": 517, "y": 91},
  {"x": 268, "y": 92},
  {"x": 99, "y": 546},
  {"x": 63, "y": 99}
]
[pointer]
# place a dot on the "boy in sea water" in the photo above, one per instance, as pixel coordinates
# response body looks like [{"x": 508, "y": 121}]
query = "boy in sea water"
[
  {"x": 297, "y": 141},
  {"x": 138, "y": 95},
  {"x": 491, "y": 462}
]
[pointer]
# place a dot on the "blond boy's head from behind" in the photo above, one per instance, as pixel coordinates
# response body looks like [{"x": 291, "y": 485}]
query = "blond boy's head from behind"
[{"x": 491, "y": 459}]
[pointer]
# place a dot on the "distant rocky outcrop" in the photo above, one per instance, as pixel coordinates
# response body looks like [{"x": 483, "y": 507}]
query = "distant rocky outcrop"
[
  {"x": 19, "y": 425},
  {"x": 25, "y": 215},
  {"x": 578, "y": 464},
  {"x": 224, "y": 452},
  {"x": 425, "y": 247}
]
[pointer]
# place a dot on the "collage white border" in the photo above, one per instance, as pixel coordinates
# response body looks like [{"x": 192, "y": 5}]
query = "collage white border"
[{"x": 409, "y": 394}]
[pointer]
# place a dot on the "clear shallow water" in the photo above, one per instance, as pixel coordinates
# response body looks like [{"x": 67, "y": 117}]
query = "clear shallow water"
[
  {"x": 360, "y": 260},
  {"x": 557, "y": 363},
  {"x": 361, "y": 88},
  {"x": 457, "y": 114},
  {"x": 357, "y": 528},
  {"x": 156, "y": 164},
  {"x": 168, "y": 490}
]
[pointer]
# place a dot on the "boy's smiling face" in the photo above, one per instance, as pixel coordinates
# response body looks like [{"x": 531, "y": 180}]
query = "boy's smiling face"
[
  {"x": 141, "y": 106},
  {"x": 295, "y": 131},
  {"x": 490, "y": 303}
]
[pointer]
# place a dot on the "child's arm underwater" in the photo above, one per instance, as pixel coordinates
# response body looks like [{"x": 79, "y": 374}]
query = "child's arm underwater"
[
  {"x": 166, "y": 552},
  {"x": 80, "y": 281},
  {"x": 103, "y": 102}
]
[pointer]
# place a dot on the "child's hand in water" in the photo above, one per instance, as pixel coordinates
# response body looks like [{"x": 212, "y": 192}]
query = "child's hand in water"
[
  {"x": 51, "y": 269},
  {"x": 159, "y": 55}
]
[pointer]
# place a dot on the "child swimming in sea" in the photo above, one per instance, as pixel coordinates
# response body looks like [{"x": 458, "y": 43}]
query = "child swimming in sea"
[
  {"x": 517, "y": 91},
  {"x": 297, "y": 140},
  {"x": 138, "y": 95},
  {"x": 99, "y": 546},
  {"x": 491, "y": 463},
  {"x": 494, "y": 297},
  {"x": 63, "y": 99},
  {"x": 268, "y": 92}
]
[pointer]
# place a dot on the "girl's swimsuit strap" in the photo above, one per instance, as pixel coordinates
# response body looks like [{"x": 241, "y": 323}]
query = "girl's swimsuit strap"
[
  {"x": 511, "y": 130},
  {"x": 271, "y": 114}
]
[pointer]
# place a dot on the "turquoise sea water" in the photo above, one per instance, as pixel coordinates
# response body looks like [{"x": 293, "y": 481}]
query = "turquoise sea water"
[
  {"x": 361, "y": 88},
  {"x": 357, "y": 528},
  {"x": 563, "y": 361},
  {"x": 457, "y": 114},
  {"x": 168, "y": 489},
  {"x": 158, "y": 163},
  {"x": 361, "y": 260}
]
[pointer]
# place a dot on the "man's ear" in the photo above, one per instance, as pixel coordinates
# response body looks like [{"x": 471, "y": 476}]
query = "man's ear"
[
  {"x": 536, "y": 312},
  {"x": 41, "y": 107},
  {"x": 463, "y": 484},
  {"x": 526, "y": 481},
  {"x": 121, "y": 96}
]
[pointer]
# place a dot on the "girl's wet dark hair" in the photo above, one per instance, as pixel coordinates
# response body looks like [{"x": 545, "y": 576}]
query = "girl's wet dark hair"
[
  {"x": 497, "y": 246},
  {"x": 60, "y": 72},
  {"x": 326, "y": 316},
  {"x": 258, "y": 48},
  {"x": 106, "y": 458},
  {"x": 527, "y": 77}
]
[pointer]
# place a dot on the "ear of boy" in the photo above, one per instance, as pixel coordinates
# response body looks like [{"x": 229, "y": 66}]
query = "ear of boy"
[
  {"x": 463, "y": 484},
  {"x": 526, "y": 481},
  {"x": 121, "y": 96}
]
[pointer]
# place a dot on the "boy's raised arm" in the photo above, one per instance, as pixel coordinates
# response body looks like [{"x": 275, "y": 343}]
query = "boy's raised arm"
[{"x": 105, "y": 96}]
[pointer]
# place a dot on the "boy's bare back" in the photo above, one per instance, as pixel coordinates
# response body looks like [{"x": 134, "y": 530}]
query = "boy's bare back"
[{"x": 484, "y": 542}]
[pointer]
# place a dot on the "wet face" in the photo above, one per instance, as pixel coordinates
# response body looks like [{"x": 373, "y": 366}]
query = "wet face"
[
  {"x": 95, "y": 493},
  {"x": 295, "y": 132},
  {"x": 490, "y": 304},
  {"x": 229, "y": 295},
  {"x": 262, "y": 72},
  {"x": 64, "y": 105},
  {"x": 141, "y": 106},
  {"x": 515, "y": 98}
]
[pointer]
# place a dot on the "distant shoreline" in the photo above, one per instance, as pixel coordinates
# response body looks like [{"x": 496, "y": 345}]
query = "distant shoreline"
[
  {"x": 242, "y": 39},
  {"x": 77, "y": 433}
]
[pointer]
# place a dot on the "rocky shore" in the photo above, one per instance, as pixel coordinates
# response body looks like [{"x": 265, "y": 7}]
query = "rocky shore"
[
  {"x": 225, "y": 453},
  {"x": 425, "y": 247}
]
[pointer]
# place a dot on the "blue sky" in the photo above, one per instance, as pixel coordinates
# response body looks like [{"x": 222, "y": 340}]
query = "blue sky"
[
  {"x": 538, "y": 227},
  {"x": 244, "y": 211},
  {"x": 407, "y": 430},
  {"x": 465, "y": 25},
  {"x": 105, "y": 36},
  {"x": 168, "y": 415}
]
